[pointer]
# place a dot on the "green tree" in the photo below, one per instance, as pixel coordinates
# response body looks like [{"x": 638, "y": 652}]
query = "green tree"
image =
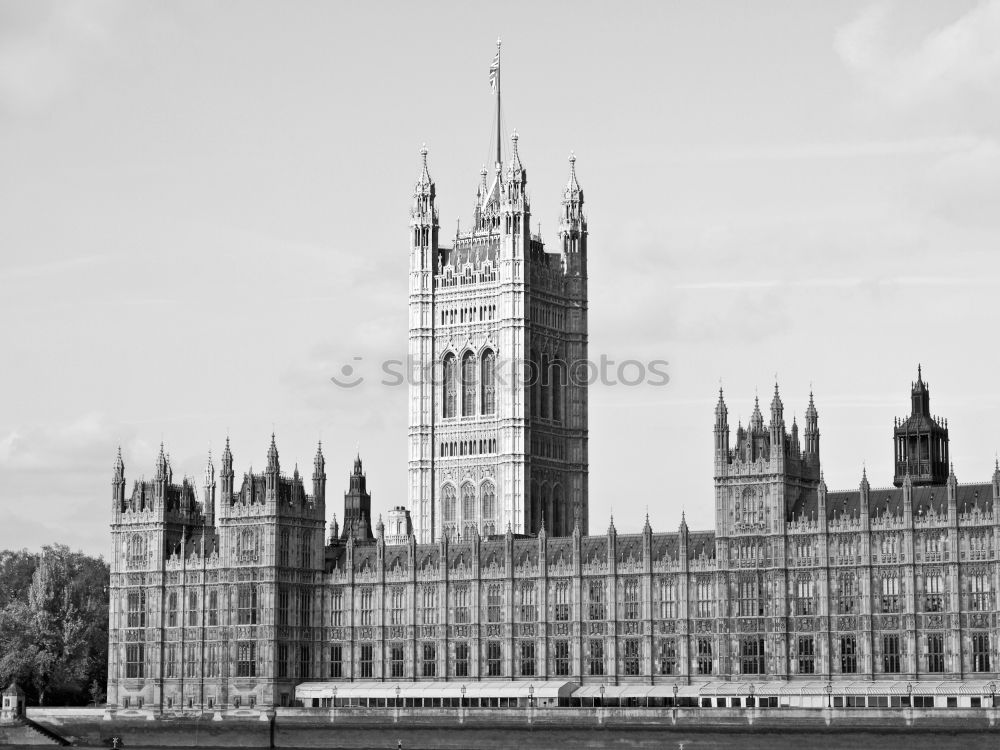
[{"x": 54, "y": 628}]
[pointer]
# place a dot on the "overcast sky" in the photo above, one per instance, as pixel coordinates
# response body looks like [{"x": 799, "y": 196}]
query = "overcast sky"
[{"x": 204, "y": 207}]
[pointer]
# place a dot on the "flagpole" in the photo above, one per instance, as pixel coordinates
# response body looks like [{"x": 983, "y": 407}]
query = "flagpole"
[{"x": 499, "y": 137}]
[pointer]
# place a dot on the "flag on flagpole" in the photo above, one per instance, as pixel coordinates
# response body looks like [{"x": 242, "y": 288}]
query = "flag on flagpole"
[{"x": 495, "y": 71}]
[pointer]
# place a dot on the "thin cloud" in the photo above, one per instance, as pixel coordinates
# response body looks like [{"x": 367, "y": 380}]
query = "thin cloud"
[
  {"x": 844, "y": 282},
  {"x": 53, "y": 267},
  {"x": 44, "y": 47},
  {"x": 958, "y": 57},
  {"x": 824, "y": 150}
]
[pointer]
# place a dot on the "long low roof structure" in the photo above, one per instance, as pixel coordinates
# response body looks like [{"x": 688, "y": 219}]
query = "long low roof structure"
[
  {"x": 542, "y": 689},
  {"x": 473, "y": 689}
]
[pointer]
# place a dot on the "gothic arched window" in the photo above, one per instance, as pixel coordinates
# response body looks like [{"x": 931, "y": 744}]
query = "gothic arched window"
[
  {"x": 468, "y": 506},
  {"x": 487, "y": 382},
  {"x": 468, "y": 384},
  {"x": 136, "y": 551},
  {"x": 558, "y": 381},
  {"x": 558, "y": 512},
  {"x": 488, "y": 508},
  {"x": 448, "y": 509},
  {"x": 534, "y": 383},
  {"x": 448, "y": 385},
  {"x": 546, "y": 508},
  {"x": 545, "y": 392}
]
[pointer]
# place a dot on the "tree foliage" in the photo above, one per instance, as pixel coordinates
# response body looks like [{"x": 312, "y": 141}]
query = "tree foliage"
[{"x": 54, "y": 624}]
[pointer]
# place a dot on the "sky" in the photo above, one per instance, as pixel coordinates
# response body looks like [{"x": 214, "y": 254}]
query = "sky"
[{"x": 204, "y": 216}]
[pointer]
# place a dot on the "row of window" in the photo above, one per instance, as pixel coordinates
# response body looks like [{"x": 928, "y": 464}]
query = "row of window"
[
  {"x": 215, "y": 654},
  {"x": 247, "y": 610},
  {"x": 452, "y": 448},
  {"x": 468, "y": 314},
  {"x": 883, "y": 544},
  {"x": 750, "y": 601},
  {"x": 486, "y": 506},
  {"x": 482, "y": 369},
  {"x": 304, "y": 553},
  {"x": 751, "y": 657},
  {"x": 525, "y": 659},
  {"x": 473, "y": 377}
]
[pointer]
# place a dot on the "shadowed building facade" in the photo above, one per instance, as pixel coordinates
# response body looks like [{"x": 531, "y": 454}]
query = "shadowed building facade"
[
  {"x": 234, "y": 600},
  {"x": 498, "y": 346}
]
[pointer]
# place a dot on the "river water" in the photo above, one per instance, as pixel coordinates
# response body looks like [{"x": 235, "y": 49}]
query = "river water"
[{"x": 570, "y": 739}]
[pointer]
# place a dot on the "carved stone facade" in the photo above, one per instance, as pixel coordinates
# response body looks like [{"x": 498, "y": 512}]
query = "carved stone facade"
[
  {"x": 796, "y": 582},
  {"x": 206, "y": 597},
  {"x": 498, "y": 349}
]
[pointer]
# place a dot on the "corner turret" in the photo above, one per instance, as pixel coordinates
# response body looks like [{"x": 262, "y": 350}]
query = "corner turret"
[{"x": 357, "y": 507}]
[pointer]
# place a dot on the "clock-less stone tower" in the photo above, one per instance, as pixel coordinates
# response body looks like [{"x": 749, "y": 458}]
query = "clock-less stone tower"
[{"x": 498, "y": 348}]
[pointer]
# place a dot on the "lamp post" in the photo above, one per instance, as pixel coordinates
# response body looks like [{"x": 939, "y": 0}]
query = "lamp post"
[
  {"x": 750, "y": 689},
  {"x": 531, "y": 696},
  {"x": 334, "y": 713},
  {"x": 463, "y": 696},
  {"x": 829, "y": 690},
  {"x": 675, "y": 695},
  {"x": 909, "y": 693},
  {"x": 993, "y": 693},
  {"x": 602, "y": 696},
  {"x": 397, "y": 696}
]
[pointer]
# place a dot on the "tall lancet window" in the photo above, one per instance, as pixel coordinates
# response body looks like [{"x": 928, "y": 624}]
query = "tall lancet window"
[
  {"x": 545, "y": 393},
  {"x": 448, "y": 502},
  {"x": 468, "y": 384},
  {"x": 535, "y": 385},
  {"x": 468, "y": 508},
  {"x": 489, "y": 508},
  {"x": 558, "y": 381},
  {"x": 448, "y": 385},
  {"x": 487, "y": 380}
]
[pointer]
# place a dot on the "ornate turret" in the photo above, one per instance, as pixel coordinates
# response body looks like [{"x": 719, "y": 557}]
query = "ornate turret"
[
  {"x": 357, "y": 506},
  {"x": 118, "y": 483},
  {"x": 516, "y": 179},
  {"x": 811, "y": 432},
  {"x": 721, "y": 429},
  {"x": 208, "y": 494},
  {"x": 573, "y": 226},
  {"x": 162, "y": 466},
  {"x": 226, "y": 475},
  {"x": 272, "y": 457},
  {"x": 777, "y": 424},
  {"x": 756, "y": 419},
  {"x": 921, "y": 441},
  {"x": 319, "y": 475}
]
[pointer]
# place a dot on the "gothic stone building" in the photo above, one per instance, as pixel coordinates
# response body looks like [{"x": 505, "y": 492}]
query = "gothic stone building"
[
  {"x": 234, "y": 599},
  {"x": 498, "y": 330}
]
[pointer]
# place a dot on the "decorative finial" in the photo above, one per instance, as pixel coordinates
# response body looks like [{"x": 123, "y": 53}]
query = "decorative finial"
[
  {"x": 498, "y": 42},
  {"x": 423, "y": 151}
]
